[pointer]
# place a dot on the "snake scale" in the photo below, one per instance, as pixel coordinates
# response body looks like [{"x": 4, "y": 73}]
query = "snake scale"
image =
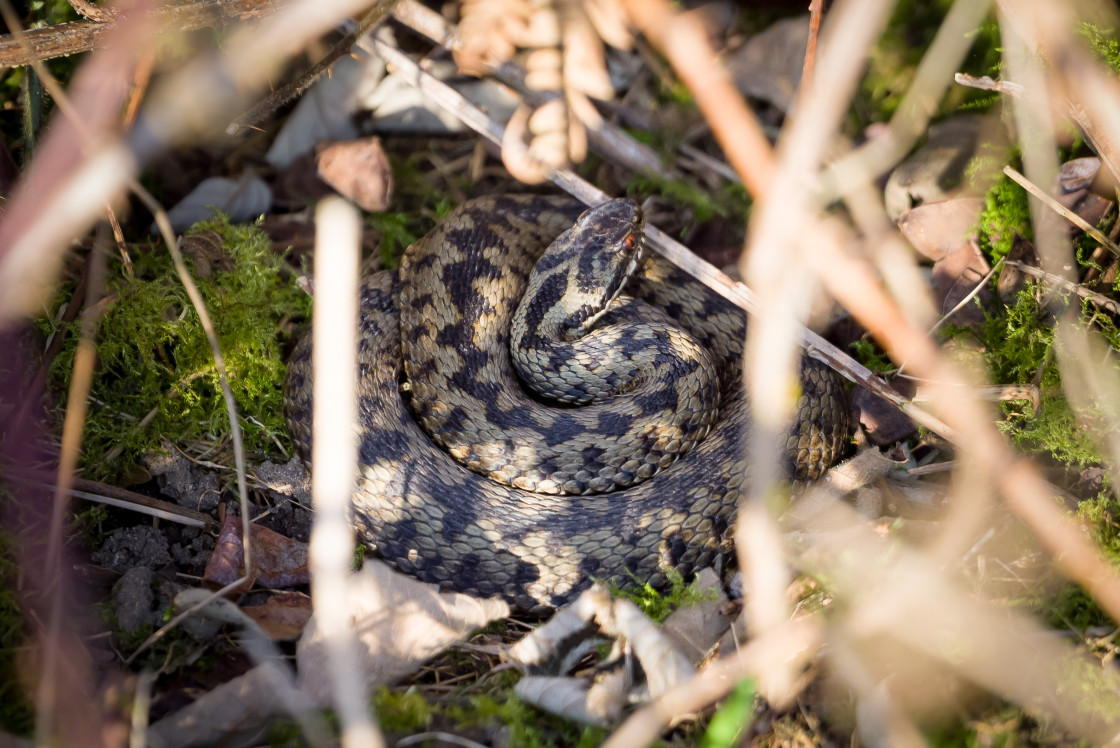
[{"x": 434, "y": 351}]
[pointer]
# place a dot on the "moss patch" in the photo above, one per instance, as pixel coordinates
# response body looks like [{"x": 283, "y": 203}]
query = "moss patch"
[{"x": 156, "y": 377}]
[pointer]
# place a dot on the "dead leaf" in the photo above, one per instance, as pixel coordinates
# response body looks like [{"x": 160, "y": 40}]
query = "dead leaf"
[
  {"x": 283, "y": 616},
  {"x": 936, "y": 229},
  {"x": 695, "y": 630},
  {"x": 206, "y": 252},
  {"x": 664, "y": 665},
  {"x": 242, "y": 199},
  {"x": 325, "y": 111},
  {"x": 278, "y": 561},
  {"x": 936, "y": 170},
  {"x": 554, "y": 638},
  {"x": 359, "y": 170},
  {"x": 599, "y": 704},
  {"x": 400, "y": 623},
  {"x": 883, "y": 423},
  {"x": 954, "y": 277},
  {"x": 768, "y": 66}
]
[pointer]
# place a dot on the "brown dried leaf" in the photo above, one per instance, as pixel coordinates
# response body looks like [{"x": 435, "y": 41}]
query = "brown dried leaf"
[
  {"x": 936, "y": 229},
  {"x": 695, "y": 630},
  {"x": 359, "y": 170},
  {"x": 278, "y": 561},
  {"x": 955, "y": 276},
  {"x": 283, "y": 616}
]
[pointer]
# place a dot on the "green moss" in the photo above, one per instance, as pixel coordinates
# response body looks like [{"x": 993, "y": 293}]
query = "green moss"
[
  {"x": 153, "y": 356},
  {"x": 528, "y": 727},
  {"x": 658, "y": 605},
  {"x": 1104, "y": 44},
  {"x": 1006, "y": 215},
  {"x": 1056, "y": 429},
  {"x": 870, "y": 355},
  {"x": 406, "y": 711}
]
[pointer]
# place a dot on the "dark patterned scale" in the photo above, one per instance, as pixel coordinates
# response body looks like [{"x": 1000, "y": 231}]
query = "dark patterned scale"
[{"x": 433, "y": 518}]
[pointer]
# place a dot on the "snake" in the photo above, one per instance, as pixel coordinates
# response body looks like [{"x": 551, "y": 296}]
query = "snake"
[{"x": 523, "y": 330}]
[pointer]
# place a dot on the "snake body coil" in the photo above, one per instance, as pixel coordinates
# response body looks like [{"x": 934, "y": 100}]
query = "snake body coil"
[{"x": 449, "y": 311}]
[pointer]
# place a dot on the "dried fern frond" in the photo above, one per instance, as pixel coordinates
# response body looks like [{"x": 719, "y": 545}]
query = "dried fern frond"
[{"x": 566, "y": 58}]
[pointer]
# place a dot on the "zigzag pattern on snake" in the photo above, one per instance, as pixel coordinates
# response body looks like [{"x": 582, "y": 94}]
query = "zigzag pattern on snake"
[{"x": 434, "y": 518}]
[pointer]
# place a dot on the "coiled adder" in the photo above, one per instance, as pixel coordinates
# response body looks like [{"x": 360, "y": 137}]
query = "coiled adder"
[{"x": 471, "y": 478}]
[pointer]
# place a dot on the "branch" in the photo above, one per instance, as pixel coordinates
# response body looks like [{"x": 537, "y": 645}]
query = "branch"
[{"x": 82, "y": 36}]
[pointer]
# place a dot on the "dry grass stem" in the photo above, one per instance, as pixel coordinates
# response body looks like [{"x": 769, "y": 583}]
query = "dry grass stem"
[
  {"x": 1062, "y": 210},
  {"x": 1100, "y": 300},
  {"x": 932, "y": 78},
  {"x": 334, "y": 458}
]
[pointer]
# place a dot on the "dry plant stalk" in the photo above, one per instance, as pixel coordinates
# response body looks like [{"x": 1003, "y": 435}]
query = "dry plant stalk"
[{"x": 334, "y": 456}]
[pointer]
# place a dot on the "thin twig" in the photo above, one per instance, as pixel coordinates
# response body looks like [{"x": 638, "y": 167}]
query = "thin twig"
[
  {"x": 93, "y": 12},
  {"x": 816, "y": 9},
  {"x": 276, "y": 99},
  {"x": 1076, "y": 288},
  {"x": 1062, "y": 210},
  {"x": 968, "y": 297},
  {"x": 987, "y": 83}
]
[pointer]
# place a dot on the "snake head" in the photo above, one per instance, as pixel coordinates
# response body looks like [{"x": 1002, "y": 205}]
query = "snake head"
[
  {"x": 610, "y": 239},
  {"x": 581, "y": 273}
]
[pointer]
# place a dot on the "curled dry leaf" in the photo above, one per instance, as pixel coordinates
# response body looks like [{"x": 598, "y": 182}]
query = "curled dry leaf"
[
  {"x": 955, "y": 276},
  {"x": 936, "y": 170},
  {"x": 400, "y": 623},
  {"x": 768, "y": 66},
  {"x": 243, "y": 199},
  {"x": 598, "y": 704},
  {"x": 936, "y": 229},
  {"x": 278, "y": 561},
  {"x": 359, "y": 170},
  {"x": 553, "y": 639},
  {"x": 882, "y": 422},
  {"x": 665, "y": 666}
]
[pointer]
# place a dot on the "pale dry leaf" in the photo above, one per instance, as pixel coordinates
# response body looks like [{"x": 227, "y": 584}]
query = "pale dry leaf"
[
  {"x": 399, "y": 622},
  {"x": 242, "y": 199},
  {"x": 936, "y": 229},
  {"x": 695, "y": 629},
  {"x": 569, "y": 623},
  {"x": 664, "y": 665},
  {"x": 325, "y": 111},
  {"x": 237, "y": 712},
  {"x": 568, "y": 698},
  {"x": 936, "y": 171}
]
